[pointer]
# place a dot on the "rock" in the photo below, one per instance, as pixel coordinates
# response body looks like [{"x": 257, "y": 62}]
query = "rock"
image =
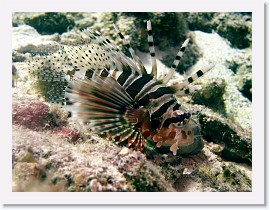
[
  {"x": 32, "y": 42},
  {"x": 28, "y": 158},
  {"x": 68, "y": 133},
  {"x": 14, "y": 75},
  {"x": 241, "y": 65},
  {"x": 237, "y": 142},
  {"x": 236, "y": 28},
  {"x": 27, "y": 176},
  {"x": 33, "y": 115},
  {"x": 50, "y": 22},
  {"x": 95, "y": 186},
  {"x": 85, "y": 166},
  {"x": 18, "y": 57},
  {"x": 200, "y": 21},
  {"x": 215, "y": 49},
  {"x": 59, "y": 115},
  {"x": 212, "y": 95},
  {"x": 71, "y": 38},
  {"x": 85, "y": 20},
  {"x": 207, "y": 172}
]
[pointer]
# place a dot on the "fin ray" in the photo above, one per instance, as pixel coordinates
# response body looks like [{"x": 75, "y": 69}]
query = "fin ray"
[{"x": 107, "y": 107}]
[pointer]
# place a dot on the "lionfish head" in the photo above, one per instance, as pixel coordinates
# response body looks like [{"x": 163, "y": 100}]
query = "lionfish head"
[{"x": 181, "y": 131}]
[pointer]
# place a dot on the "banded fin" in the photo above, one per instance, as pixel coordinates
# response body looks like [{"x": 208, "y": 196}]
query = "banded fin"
[
  {"x": 150, "y": 40},
  {"x": 188, "y": 90},
  {"x": 194, "y": 77},
  {"x": 107, "y": 107},
  {"x": 175, "y": 62},
  {"x": 87, "y": 57},
  {"x": 135, "y": 58}
]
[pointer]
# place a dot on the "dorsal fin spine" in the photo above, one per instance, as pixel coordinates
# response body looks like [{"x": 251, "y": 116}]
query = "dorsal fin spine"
[
  {"x": 176, "y": 62},
  {"x": 152, "y": 49}
]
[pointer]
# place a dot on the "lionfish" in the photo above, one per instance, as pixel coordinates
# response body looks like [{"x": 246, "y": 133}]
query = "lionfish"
[{"x": 115, "y": 96}]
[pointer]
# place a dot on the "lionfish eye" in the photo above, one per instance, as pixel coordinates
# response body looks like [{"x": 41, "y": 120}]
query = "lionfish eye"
[
  {"x": 182, "y": 117},
  {"x": 178, "y": 121}
]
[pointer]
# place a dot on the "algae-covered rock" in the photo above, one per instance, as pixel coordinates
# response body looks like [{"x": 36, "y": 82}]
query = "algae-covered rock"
[
  {"x": 200, "y": 21},
  {"x": 212, "y": 95},
  {"x": 50, "y": 22},
  {"x": 14, "y": 75},
  {"x": 207, "y": 172},
  {"x": 236, "y": 28},
  {"x": 33, "y": 115},
  {"x": 241, "y": 65},
  {"x": 18, "y": 57},
  {"x": 84, "y": 20},
  {"x": 237, "y": 141},
  {"x": 238, "y": 108}
]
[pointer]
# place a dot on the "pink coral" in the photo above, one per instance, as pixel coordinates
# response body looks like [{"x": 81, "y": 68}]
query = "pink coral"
[
  {"x": 68, "y": 133},
  {"x": 34, "y": 115}
]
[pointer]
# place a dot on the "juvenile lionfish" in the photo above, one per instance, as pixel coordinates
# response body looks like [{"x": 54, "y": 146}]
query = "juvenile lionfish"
[{"x": 116, "y": 96}]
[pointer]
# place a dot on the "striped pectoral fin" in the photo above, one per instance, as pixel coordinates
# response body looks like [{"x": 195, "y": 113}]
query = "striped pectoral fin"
[
  {"x": 107, "y": 107},
  {"x": 120, "y": 131}
]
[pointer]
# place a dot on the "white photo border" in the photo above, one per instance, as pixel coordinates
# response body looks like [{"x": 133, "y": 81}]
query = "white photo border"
[{"x": 257, "y": 196}]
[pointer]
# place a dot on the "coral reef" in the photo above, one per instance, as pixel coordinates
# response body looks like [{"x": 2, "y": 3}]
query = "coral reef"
[
  {"x": 46, "y": 162},
  {"x": 208, "y": 173},
  {"x": 52, "y": 153},
  {"x": 200, "y": 21},
  {"x": 71, "y": 134}
]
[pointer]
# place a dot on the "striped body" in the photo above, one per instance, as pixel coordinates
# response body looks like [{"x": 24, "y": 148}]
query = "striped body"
[
  {"x": 116, "y": 96},
  {"x": 148, "y": 92}
]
